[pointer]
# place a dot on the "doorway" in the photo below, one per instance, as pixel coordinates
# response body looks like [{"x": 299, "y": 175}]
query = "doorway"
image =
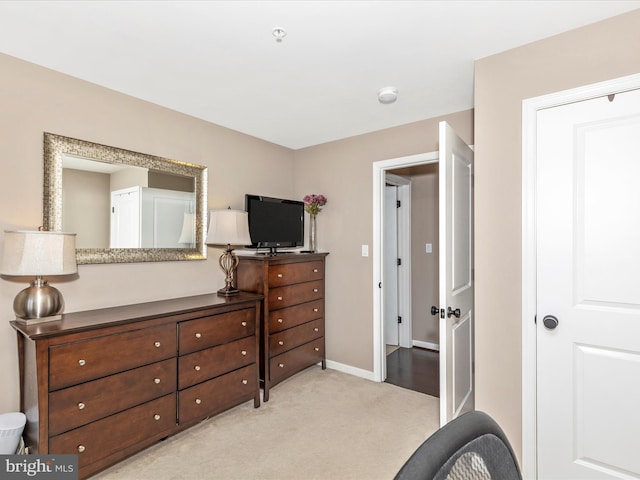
[
  {"x": 408, "y": 174},
  {"x": 454, "y": 309},
  {"x": 410, "y": 283}
]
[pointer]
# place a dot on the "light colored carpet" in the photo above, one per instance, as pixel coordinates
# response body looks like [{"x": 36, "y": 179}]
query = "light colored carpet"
[{"x": 317, "y": 425}]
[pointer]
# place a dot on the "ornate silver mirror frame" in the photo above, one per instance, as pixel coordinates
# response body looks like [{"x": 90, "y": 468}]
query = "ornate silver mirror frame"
[{"x": 56, "y": 147}]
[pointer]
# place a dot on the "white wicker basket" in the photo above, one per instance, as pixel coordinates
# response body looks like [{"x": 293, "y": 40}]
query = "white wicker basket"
[{"x": 11, "y": 427}]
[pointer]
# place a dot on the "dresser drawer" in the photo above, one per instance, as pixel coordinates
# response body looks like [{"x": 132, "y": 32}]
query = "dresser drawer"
[
  {"x": 216, "y": 395},
  {"x": 291, "y": 273},
  {"x": 206, "y": 332},
  {"x": 77, "y": 362},
  {"x": 212, "y": 362},
  {"x": 288, "y": 317},
  {"x": 290, "y": 362},
  {"x": 282, "y": 297},
  {"x": 109, "y": 435},
  {"x": 287, "y": 339},
  {"x": 81, "y": 404}
]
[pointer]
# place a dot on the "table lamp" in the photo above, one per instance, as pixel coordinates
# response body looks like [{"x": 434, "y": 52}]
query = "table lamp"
[
  {"x": 188, "y": 232},
  {"x": 228, "y": 227},
  {"x": 38, "y": 253}
]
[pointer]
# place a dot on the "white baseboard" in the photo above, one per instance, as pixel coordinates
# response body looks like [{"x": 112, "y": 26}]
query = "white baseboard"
[
  {"x": 358, "y": 372},
  {"x": 427, "y": 345},
  {"x": 368, "y": 375}
]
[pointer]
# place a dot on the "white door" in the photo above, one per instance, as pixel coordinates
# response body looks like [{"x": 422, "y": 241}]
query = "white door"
[
  {"x": 125, "y": 218},
  {"x": 588, "y": 294},
  {"x": 456, "y": 275},
  {"x": 390, "y": 268}
]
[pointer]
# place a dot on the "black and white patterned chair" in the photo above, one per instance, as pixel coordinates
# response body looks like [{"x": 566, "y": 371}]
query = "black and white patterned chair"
[{"x": 470, "y": 447}]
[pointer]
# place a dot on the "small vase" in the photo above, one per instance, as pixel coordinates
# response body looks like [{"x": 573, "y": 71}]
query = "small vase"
[{"x": 312, "y": 233}]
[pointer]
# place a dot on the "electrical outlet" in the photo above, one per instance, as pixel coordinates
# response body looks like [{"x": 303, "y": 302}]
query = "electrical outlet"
[
  {"x": 365, "y": 250},
  {"x": 429, "y": 248}
]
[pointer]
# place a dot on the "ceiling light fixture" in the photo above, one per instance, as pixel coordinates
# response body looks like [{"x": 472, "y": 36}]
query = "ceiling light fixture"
[
  {"x": 279, "y": 33},
  {"x": 388, "y": 95}
]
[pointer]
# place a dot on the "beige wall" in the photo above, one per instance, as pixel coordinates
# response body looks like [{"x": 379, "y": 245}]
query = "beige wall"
[
  {"x": 35, "y": 100},
  {"x": 86, "y": 202},
  {"x": 343, "y": 171},
  {"x": 602, "y": 51}
]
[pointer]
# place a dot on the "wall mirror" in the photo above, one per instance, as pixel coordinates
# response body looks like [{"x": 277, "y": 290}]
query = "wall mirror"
[{"x": 124, "y": 206}]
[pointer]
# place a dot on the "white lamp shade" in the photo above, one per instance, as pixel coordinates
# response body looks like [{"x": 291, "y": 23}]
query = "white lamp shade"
[
  {"x": 228, "y": 227},
  {"x": 39, "y": 253},
  {"x": 187, "y": 235}
]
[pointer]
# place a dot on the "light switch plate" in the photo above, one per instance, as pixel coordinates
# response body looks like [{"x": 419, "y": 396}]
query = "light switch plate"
[{"x": 365, "y": 250}]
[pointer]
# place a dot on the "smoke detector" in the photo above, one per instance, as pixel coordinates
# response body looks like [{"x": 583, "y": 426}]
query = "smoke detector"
[
  {"x": 279, "y": 33},
  {"x": 387, "y": 95}
]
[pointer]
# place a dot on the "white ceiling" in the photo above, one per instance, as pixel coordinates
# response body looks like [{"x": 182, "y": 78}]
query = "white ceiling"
[{"x": 218, "y": 60}]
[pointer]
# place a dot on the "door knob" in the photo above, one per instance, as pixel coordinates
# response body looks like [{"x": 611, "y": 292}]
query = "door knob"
[
  {"x": 435, "y": 310},
  {"x": 550, "y": 322},
  {"x": 455, "y": 313}
]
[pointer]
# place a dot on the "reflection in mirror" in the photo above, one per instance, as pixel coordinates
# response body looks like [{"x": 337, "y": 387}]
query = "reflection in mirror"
[{"x": 124, "y": 206}]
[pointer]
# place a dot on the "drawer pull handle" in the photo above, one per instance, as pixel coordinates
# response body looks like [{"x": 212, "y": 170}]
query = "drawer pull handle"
[
  {"x": 82, "y": 363},
  {"x": 198, "y": 335},
  {"x": 157, "y": 344},
  {"x": 197, "y": 368},
  {"x": 315, "y": 290},
  {"x": 244, "y": 352},
  {"x": 315, "y": 270},
  {"x": 156, "y": 380},
  {"x": 156, "y": 417},
  {"x": 280, "y": 275},
  {"x": 317, "y": 349},
  {"x": 281, "y": 365},
  {"x": 280, "y": 298},
  {"x": 244, "y": 324},
  {"x": 198, "y": 401},
  {"x": 244, "y": 382},
  {"x": 280, "y": 342},
  {"x": 81, "y": 448},
  {"x": 316, "y": 329},
  {"x": 81, "y": 406},
  {"x": 316, "y": 310},
  {"x": 280, "y": 320}
]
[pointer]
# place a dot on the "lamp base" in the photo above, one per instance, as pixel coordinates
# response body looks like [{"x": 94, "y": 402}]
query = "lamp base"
[
  {"x": 228, "y": 292},
  {"x": 38, "y": 301},
  {"x": 228, "y": 263},
  {"x": 35, "y": 321}
]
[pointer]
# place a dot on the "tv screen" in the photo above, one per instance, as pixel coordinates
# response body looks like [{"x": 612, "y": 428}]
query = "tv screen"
[{"x": 275, "y": 222}]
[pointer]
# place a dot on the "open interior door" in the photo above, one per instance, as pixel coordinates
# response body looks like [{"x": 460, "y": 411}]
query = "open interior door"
[
  {"x": 390, "y": 282},
  {"x": 456, "y": 275}
]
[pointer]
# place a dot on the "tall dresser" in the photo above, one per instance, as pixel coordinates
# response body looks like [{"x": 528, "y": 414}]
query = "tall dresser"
[
  {"x": 107, "y": 383},
  {"x": 293, "y": 326}
]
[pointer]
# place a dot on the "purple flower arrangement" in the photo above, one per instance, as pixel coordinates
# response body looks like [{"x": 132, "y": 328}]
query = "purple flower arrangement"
[{"x": 313, "y": 203}]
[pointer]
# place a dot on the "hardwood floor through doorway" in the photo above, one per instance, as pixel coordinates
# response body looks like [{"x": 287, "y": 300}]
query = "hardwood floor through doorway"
[{"x": 416, "y": 369}]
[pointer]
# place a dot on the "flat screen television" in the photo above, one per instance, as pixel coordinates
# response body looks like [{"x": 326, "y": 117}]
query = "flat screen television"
[{"x": 275, "y": 222}]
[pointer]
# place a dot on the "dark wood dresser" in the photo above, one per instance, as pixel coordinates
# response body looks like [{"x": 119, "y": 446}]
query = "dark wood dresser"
[
  {"x": 107, "y": 383},
  {"x": 292, "y": 313}
]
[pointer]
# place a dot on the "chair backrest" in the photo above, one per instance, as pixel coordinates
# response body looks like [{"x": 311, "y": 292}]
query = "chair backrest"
[{"x": 470, "y": 447}]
